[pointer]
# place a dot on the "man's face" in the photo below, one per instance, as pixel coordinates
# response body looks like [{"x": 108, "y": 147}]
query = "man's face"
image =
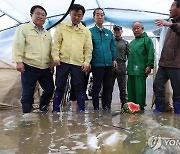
[
  {"x": 76, "y": 16},
  {"x": 137, "y": 29},
  {"x": 174, "y": 11},
  {"x": 99, "y": 17},
  {"x": 118, "y": 33},
  {"x": 38, "y": 17}
]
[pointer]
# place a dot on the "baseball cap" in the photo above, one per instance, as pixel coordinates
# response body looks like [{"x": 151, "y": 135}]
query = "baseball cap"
[{"x": 117, "y": 27}]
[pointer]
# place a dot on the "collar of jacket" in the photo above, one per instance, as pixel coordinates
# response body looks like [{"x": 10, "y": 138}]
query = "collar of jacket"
[
  {"x": 118, "y": 39},
  {"x": 144, "y": 34},
  {"x": 98, "y": 30},
  {"x": 33, "y": 26},
  {"x": 69, "y": 23},
  {"x": 176, "y": 19}
]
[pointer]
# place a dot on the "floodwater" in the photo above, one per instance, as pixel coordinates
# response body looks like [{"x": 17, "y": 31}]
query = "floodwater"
[
  {"x": 91, "y": 132},
  {"x": 71, "y": 132}
]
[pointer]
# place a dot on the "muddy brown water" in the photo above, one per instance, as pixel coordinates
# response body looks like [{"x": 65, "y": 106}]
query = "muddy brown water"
[
  {"x": 104, "y": 132},
  {"x": 71, "y": 132}
]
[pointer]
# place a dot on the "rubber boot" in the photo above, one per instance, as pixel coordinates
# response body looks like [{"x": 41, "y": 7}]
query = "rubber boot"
[
  {"x": 56, "y": 102},
  {"x": 44, "y": 103},
  {"x": 123, "y": 101},
  {"x": 160, "y": 105},
  {"x": 109, "y": 104},
  {"x": 81, "y": 102},
  {"x": 104, "y": 102},
  {"x": 26, "y": 107},
  {"x": 95, "y": 100},
  {"x": 176, "y": 107}
]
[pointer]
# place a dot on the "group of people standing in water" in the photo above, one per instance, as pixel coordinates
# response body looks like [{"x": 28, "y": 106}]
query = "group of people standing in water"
[{"x": 77, "y": 50}]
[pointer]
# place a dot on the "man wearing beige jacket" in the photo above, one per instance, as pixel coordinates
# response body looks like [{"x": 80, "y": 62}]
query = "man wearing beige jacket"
[{"x": 31, "y": 53}]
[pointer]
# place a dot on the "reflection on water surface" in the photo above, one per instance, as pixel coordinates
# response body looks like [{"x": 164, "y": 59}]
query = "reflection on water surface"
[{"x": 71, "y": 132}]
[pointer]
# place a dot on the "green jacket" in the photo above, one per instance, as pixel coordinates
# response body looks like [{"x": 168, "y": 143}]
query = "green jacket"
[
  {"x": 104, "y": 48},
  {"x": 141, "y": 55}
]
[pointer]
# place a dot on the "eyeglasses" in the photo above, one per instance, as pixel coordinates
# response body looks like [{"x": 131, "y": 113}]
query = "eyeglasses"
[
  {"x": 99, "y": 15},
  {"x": 40, "y": 14}
]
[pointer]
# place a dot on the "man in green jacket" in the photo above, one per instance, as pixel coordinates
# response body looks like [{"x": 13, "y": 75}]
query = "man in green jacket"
[
  {"x": 140, "y": 63},
  {"x": 103, "y": 59}
]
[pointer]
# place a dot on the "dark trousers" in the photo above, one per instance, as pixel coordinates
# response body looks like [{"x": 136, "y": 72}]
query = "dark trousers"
[
  {"x": 120, "y": 74},
  {"x": 29, "y": 79},
  {"x": 101, "y": 77},
  {"x": 86, "y": 79},
  {"x": 77, "y": 77},
  {"x": 72, "y": 92},
  {"x": 162, "y": 76}
]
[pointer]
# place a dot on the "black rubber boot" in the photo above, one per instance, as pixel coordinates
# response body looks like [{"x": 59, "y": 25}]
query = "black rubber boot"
[
  {"x": 26, "y": 107},
  {"x": 95, "y": 100},
  {"x": 44, "y": 104}
]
